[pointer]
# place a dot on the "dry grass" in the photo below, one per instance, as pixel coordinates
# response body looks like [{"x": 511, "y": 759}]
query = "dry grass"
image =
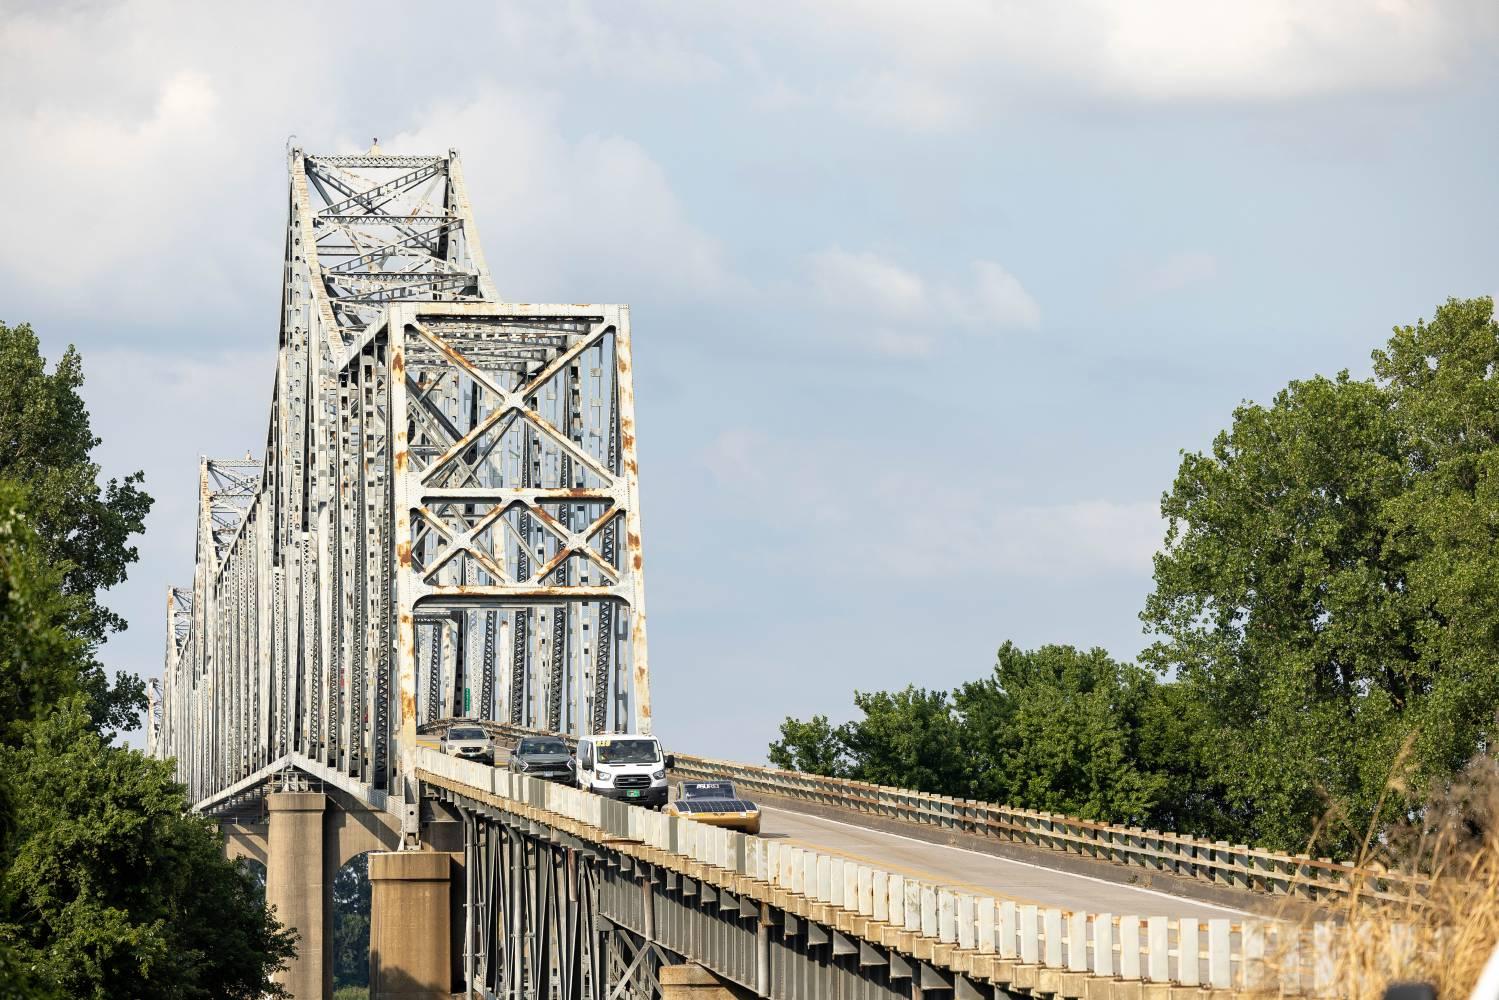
[{"x": 1443, "y": 935}]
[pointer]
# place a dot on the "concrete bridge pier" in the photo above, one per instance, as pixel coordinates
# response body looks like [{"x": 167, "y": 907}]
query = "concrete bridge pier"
[
  {"x": 411, "y": 955},
  {"x": 296, "y": 885}
]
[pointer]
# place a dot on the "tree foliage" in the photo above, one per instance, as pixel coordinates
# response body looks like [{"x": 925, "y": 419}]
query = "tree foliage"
[
  {"x": 1326, "y": 590},
  {"x": 813, "y": 747},
  {"x": 351, "y": 923},
  {"x": 1053, "y": 728},
  {"x": 117, "y": 891},
  {"x": 40, "y": 652},
  {"x": 1061, "y": 730}
]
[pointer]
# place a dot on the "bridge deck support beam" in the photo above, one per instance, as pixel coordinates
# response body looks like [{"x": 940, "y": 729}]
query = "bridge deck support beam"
[
  {"x": 693, "y": 982},
  {"x": 296, "y": 885},
  {"x": 410, "y": 925}
]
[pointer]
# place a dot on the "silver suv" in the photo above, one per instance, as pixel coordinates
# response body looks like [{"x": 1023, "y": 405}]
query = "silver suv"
[{"x": 468, "y": 741}]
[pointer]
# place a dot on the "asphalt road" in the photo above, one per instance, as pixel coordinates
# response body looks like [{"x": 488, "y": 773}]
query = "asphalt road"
[{"x": 985, "y": 874}]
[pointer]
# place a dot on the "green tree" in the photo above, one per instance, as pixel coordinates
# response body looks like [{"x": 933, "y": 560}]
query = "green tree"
[
  {"x": 812, "y": 747},
  {"x": 1059, "y": 729},
  {"x": 118, "y": 892},
  {"x": 1325, "y": 593},
  {"x": 84, "y": 529},
  {"x": 907, "y": 738},
  {"x": 39, "y": 662},
  {"x": 1443, "y": 530}
]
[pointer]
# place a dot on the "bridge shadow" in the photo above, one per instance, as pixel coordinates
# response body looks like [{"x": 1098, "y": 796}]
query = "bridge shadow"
[{"x": 397, "y": 983}]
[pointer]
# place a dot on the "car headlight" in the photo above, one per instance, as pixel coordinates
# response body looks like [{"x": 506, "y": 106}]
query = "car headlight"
[
  {"x": 659, "y": 775},
  {"x": 602, "y": 774}
]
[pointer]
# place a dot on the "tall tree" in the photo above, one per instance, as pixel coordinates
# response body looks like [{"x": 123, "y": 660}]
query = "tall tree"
[
  {"x": 117, "y": 891},
  {"x": 1443, "y": 381},
  {"x": 1326, "y": 587},
  {"x": 84, "y": 529}
]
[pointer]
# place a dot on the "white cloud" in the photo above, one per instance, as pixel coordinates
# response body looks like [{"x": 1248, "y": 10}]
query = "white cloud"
[
  {"x": 831, "y": 503},
  {"x": 939, "y": 64},
  {"x": 865, "y": 281},
  {"x": 902, "y": 314},
  {"x": 994, "y": 298}
]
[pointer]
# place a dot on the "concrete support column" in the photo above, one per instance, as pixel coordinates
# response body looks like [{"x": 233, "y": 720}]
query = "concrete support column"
[
  {"x": 296, "y": 885},
  {"x": 410, "y": 926}
]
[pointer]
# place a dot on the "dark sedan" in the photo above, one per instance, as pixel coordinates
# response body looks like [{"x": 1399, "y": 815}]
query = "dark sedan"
[{"x": 542, "y": 757}]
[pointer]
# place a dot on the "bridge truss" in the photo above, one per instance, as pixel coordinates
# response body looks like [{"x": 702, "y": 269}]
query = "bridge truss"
[{"x": 445, "y": 522}]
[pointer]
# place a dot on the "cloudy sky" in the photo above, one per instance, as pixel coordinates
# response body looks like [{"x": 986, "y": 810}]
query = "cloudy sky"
[{"x": 927, "y": 298}]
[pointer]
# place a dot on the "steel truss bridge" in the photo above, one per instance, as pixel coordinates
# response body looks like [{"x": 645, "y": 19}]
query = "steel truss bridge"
[{"x": 446, "y": 524}]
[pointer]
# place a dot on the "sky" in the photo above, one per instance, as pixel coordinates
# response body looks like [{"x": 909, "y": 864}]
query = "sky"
[{"x": 927, "y": 299}]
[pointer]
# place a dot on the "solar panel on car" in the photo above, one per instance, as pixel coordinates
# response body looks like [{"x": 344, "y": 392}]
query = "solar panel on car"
[{"x": 714, "y": 805}]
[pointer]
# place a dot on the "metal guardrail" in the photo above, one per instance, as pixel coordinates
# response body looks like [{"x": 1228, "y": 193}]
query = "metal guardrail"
[
  {"x": 995, "y": 939},
  {"x": 1153, "y": 851}
]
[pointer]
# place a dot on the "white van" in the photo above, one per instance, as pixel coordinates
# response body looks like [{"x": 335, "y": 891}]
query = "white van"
[{"x": 623, "y": 766}]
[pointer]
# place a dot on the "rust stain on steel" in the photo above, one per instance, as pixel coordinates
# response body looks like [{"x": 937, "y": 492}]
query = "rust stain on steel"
[
  {"x": 403, "y": 553},
  {"x": 408, "y": 654},
  {"x": 402, "y": 457},
  {"x": 397, "y": 362}
]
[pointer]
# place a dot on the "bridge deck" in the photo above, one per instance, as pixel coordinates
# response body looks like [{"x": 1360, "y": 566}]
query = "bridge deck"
[{"x": 977, "y": 872}]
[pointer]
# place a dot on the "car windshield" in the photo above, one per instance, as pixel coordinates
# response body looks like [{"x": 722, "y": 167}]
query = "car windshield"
[
  {"x": 466, "y": 733},
  {"x": 707, "y": 790},
  {"x": 628, "y": 752},
  {"x": 541, "y": 746}
]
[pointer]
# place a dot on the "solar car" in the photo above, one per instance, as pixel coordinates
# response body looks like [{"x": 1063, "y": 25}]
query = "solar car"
[{"x": 714, "y": 802}]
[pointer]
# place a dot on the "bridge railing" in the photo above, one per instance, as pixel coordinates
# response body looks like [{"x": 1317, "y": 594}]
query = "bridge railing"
[
  {"x": 1207, "y": 862},
  {"x": 964, "y": 932}
]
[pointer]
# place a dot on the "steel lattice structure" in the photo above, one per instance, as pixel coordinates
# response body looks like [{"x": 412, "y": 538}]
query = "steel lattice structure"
[{"x": 446, "y": 520}]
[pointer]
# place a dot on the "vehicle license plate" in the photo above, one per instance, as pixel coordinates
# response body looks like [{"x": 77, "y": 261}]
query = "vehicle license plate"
[{"x": 633, "y": 794}]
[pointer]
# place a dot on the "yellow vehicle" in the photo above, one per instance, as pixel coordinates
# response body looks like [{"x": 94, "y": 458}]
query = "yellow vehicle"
[{"x": 715, "y": 803}]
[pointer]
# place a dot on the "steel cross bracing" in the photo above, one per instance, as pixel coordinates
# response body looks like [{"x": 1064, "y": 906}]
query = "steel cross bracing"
[{"x": 445, "y": 522}]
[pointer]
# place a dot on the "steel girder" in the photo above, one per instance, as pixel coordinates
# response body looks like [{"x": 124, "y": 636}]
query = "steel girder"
[{"x": 446, "y": 519}]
